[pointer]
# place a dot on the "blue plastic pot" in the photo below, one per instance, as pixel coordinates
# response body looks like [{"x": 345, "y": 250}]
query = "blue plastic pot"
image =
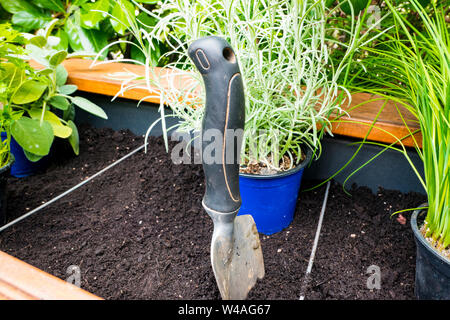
[
  {"x": 22, "y": 167},
  {"x": 271, "y": 199}
]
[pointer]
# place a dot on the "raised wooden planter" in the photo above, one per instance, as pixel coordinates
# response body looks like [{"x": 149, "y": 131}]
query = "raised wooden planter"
[{"x": 19, "y": 280}]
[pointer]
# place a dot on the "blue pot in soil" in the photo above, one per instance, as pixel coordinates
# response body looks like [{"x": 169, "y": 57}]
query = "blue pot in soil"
[
  {"x": 271, "y": 199},
  {"x": 22, "y": 167}
]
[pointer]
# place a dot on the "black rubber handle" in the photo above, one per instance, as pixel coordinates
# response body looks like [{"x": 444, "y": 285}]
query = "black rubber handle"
[{"x": 224, "y": 113}]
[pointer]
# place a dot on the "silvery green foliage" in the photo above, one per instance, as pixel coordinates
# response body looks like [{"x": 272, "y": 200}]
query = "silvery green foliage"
[{"x": 290, "y": 83}]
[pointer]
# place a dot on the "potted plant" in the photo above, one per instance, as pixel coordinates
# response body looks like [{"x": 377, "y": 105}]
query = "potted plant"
[
  {"x": 414, "y": 71},
  {"x": 11, "y": 44},
  {"x": 290, "y": 85},
  {"x": 41, "y": 102}
]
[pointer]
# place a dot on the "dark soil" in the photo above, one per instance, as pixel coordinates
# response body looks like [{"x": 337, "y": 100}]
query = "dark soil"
[{"x": 139, "y": 231}]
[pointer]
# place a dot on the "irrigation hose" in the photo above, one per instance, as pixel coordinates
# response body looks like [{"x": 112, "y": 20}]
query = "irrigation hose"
[
  {"x": 316, "y": 242},
  {"x": 6, "y": 226}
]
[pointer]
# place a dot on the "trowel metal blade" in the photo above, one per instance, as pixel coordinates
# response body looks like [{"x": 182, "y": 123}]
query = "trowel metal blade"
[{"x": 238, "y": 262}]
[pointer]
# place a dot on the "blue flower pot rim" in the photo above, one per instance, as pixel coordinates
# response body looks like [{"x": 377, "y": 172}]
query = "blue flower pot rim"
[
  {"x": 420, "y": 237},
  {"x": 284, "y": 173},
  {"x": 7, "y": 166}
]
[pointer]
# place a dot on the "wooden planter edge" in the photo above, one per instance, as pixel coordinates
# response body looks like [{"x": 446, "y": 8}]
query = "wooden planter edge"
[
  {"x": 95, "y": 80},
  {"x": 21, "y": 281}
]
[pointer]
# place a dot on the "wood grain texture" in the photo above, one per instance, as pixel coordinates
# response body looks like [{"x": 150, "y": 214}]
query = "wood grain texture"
[
  {"x": 21, "y": 281},
  {"x": 389, "y": 127},
  {"x": 95, "y": 80}
]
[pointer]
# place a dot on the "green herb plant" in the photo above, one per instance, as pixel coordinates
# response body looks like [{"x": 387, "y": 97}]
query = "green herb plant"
[
  {"x": 422, "y": 72},
  {"x": 81, "y": 25},
  {"x": 413, "y": 70},
  {"x": 39, "y": 104},
  {"x": 12, "y": 68},
  {"x": 283, "y": 53}
]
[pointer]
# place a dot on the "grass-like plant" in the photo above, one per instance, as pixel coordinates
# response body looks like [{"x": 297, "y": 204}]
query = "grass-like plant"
[
  {"x": 283, "y": 48},
  {"x": 413, "y": 69}
]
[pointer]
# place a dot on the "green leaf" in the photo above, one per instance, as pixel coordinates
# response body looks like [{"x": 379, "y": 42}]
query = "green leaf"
[
  {"x": 119, "y": 12},
  {"x": 67, "y": 89},
  {"x": 31, "y": 156},
  {"x": 89, "y": 18},
  {"x": 11, "y": 75},
  {"x": 29, "y": 91},
  {"x": 63, "y": 40},
  {"x": 89, "y": 106},
  {"x": 58, "y": 58},
  {"x": 79, "y": 3},
  {"x": 155, "y": 54},
  {"x": 424, "y": 3},
  {"x": 69, "y": 114},
  {"x": 81, "y": 39},
  {"x": 59, "y": 130},
  {"x": 54, "y": 5},
  {"x": 33, "y": 136},
  {"x": 15, "y": 6},
  {"x": 358, "y": 6},
  {"x": 147, "y": 20},
  {"x": 59, "y": 102},
  {"x": 16, "y": 115},
  {"x": 29, "y": 20},
  {"x": 61, "y": 75},
  {"x": 37, "y": 54},
  {"x": 50, "y": 26},
  {"x": 148, "y": 1},
  {"x": 45, "y": 72},
  {"x": 38, "y": 41},
  {"x": 98, "y": 39},
  {"x": 74, "y": 138},
  {"x": 72, "y": 29}
]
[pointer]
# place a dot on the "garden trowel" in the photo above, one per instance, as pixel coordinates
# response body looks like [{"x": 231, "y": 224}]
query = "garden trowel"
[{"x": 236, "y": 254}]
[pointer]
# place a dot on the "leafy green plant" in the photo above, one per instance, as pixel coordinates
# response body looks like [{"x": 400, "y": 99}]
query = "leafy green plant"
[
  {"x": 33, "y": 98},
  {"x": 284, "y": 60},
  {"x": 342, "y": 22},
  {"x": 11, "y": 70},
  {"x": 81, "y": 25}
]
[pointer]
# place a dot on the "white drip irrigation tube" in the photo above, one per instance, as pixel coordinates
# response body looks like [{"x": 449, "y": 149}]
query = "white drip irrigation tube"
[
  {"x": 316, "y": 242},
  {"x": 71, "y": 189}
]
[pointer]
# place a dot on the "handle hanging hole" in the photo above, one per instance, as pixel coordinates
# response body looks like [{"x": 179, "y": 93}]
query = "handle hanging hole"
[
  {"x": 202, "y": 59},
  {"x": 229, "y": 55}
]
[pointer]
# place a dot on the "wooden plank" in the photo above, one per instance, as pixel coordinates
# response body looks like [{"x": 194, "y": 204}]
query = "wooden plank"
[
  {"x": 98, "y": 79},
  {"x": 388, "y": 127},
  {"x": 19, "y": 280},
  {"x": 10, "y": 292},
  {"x": 95, "y": 80}
]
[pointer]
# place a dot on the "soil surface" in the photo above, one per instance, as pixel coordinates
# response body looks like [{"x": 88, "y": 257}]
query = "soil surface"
[{"x": 138, "y": 231}]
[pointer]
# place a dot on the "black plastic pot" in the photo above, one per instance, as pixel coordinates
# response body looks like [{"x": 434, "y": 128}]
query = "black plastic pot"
[
  {"x": 4, "y": 173},
  {"x": 432, "y": 269}
]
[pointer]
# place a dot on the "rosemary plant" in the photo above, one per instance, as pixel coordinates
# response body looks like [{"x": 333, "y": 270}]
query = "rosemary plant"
[{"x": 283, "y": 47}]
